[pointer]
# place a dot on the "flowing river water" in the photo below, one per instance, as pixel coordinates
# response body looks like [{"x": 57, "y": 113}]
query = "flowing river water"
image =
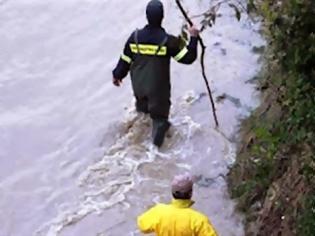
[{"x": 75, "y": 157}]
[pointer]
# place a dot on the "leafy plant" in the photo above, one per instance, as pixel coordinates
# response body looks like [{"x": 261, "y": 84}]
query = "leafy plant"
[{"x": 306, "y": 221}]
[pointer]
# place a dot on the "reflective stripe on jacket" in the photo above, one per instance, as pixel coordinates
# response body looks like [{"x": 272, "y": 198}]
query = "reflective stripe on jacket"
[
  {"x": 175, "y": 219},
  {"x": 149, "y": 39}
]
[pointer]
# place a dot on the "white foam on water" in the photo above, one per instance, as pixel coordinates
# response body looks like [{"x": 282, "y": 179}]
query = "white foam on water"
[{"x": 107, "y": 182}]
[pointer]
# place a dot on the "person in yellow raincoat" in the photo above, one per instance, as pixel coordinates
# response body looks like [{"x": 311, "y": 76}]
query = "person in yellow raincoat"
[{"x": 177, "y": 218}]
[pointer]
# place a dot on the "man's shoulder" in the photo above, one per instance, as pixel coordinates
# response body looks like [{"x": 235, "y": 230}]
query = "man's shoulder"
[
  {"x": 159, "y": 205},
  {"x": 162, "y": 205},
  {"x": 171, "y": 36},
  {"x": 198, "y": 215},
  {"x": 136, "y": 32},
  {"x": 157, "y": 208},
  {"x": 173, "y": 41}
]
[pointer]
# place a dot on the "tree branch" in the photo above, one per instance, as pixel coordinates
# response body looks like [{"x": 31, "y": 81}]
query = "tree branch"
[{"x": 202, "y": 62}]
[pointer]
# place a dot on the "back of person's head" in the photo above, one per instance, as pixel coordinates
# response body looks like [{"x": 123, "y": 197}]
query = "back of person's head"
[
  {"x": 182, "y": 186},
  {"x": 155, "y": 13}
]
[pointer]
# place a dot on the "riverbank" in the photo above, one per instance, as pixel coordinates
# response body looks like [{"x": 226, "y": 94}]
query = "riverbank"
[{"x": 273, "y": 177}]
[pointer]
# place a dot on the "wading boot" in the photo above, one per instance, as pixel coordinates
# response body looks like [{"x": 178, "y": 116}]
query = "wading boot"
[{"x": 160, "y": 127}]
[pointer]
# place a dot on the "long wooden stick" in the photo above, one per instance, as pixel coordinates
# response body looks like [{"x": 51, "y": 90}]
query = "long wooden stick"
[{"x": 202, "y": 62}]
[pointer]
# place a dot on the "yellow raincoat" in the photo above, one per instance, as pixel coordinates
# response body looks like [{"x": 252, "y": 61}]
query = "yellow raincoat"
[{"x": 175, "y": 219}]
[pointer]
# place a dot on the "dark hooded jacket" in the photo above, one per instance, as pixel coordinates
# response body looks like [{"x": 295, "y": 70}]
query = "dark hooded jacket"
[{"x": 147, "y": 55}]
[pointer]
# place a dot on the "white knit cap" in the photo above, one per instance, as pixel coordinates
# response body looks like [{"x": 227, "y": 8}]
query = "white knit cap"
[{"x": 183, "y": 183}]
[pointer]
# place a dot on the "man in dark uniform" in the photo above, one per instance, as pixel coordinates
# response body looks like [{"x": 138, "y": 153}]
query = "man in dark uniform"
[{"x": 147, "y": 55}]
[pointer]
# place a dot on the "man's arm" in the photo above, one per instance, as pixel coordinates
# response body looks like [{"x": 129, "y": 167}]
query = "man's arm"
[
  {"x": 188, "y": 54},
  {"x": 205, "y": 228},
  {"x": 147, "y": 222},
  {"x": 123, "y": 65}
]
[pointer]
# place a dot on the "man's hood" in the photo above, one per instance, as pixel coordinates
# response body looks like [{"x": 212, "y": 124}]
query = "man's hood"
[{"x": 155, "y": 13}]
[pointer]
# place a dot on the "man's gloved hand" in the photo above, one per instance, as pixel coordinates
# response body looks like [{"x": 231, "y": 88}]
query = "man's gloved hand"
[
  {"x": 117, "y": 82},
  {"x": 194, "y": 32}
]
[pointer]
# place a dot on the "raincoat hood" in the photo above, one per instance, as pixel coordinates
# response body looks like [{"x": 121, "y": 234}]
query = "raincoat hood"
[{"x": 155, "y": 13}]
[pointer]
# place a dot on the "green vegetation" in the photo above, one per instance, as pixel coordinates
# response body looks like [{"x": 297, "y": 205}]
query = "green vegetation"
[
  {"x": 306, "y": 220},
  {"x": 274, "y": 177}
]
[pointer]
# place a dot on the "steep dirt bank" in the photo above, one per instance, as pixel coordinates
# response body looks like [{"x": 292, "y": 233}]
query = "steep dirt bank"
[
  {"x": 270, "y": 188},
  {"x": 273, "y": 177}
]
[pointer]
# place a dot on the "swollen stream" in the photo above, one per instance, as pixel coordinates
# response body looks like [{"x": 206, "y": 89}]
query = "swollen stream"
[{"x": 75, "y": 157}]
